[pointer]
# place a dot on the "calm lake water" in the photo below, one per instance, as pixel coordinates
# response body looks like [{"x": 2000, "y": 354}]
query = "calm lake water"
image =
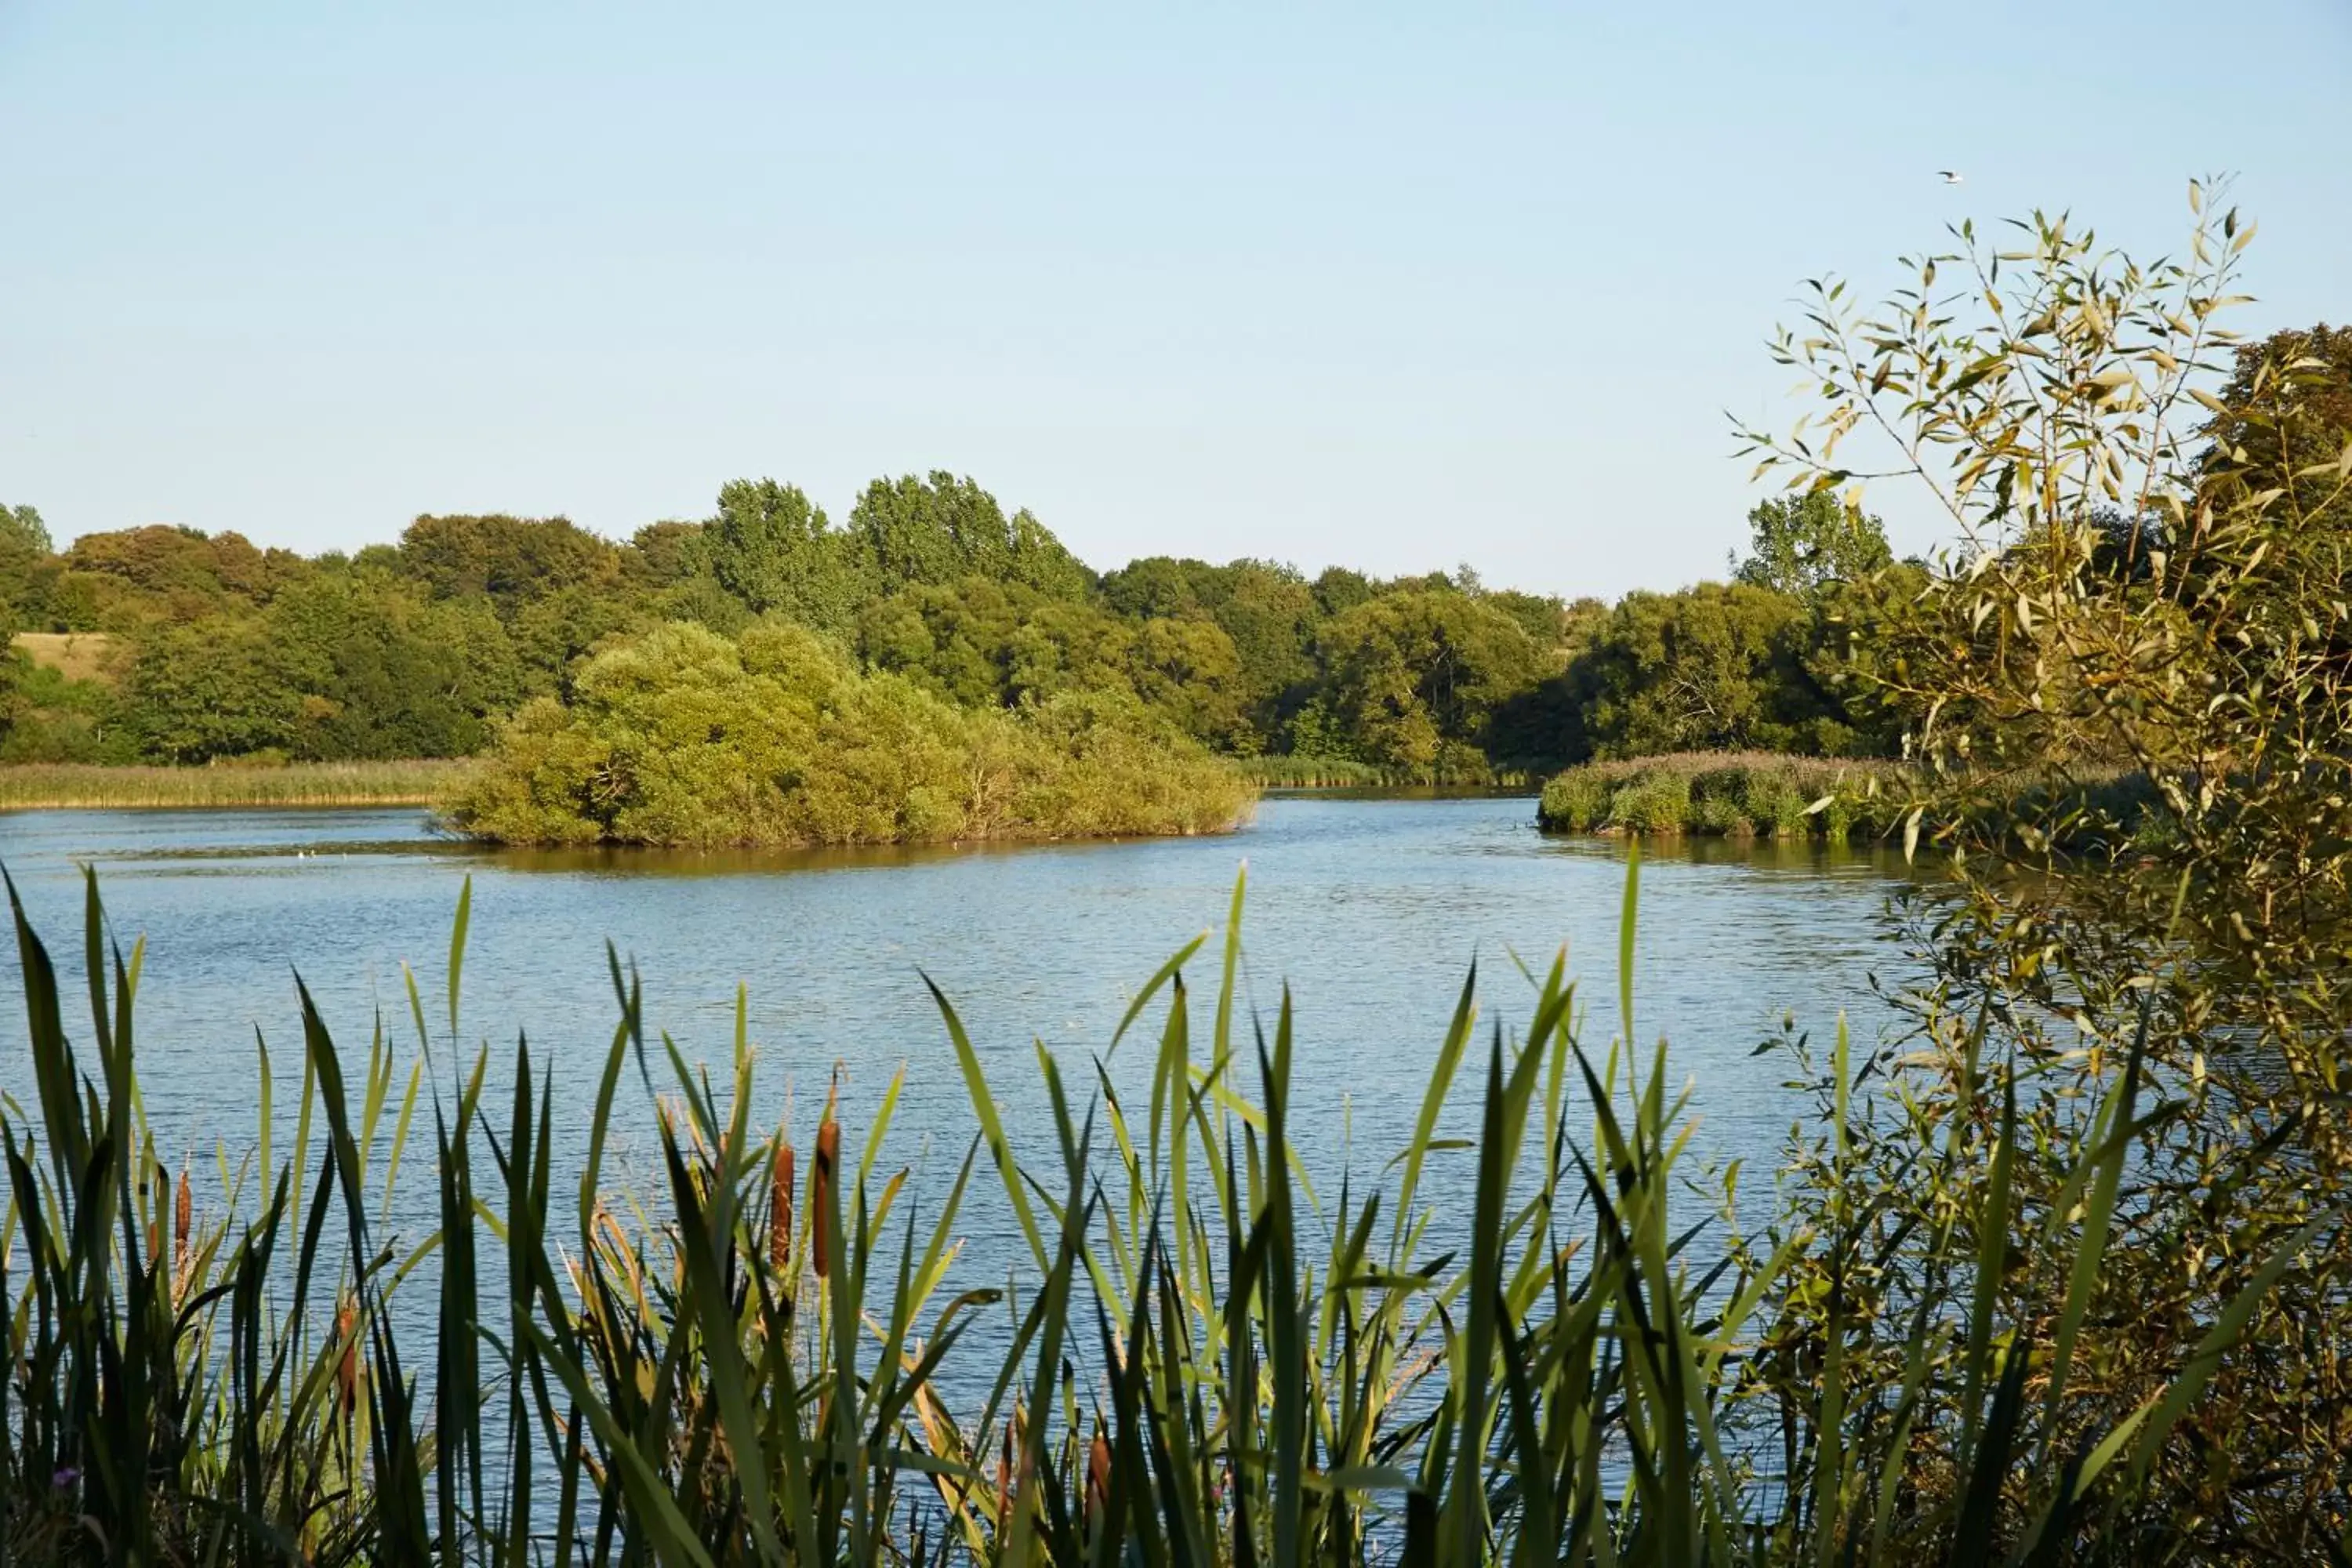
[{"x": 1372, "y": 909}]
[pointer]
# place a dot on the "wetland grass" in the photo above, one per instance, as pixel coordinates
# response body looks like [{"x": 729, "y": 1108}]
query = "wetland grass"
[
  {"x": 59, "y": 785},
  {"x": 1201, "y": 1358}
]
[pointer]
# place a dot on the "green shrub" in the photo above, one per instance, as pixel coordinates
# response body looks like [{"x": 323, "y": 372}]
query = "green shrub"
[
  {"x": 684, "y": 737},
  {"x": 1654, "y": 803},
  {"x": 1572, "y": 802},
  {"x": 1728, "y": 794},
  {"x": 1774, "y": 805}
]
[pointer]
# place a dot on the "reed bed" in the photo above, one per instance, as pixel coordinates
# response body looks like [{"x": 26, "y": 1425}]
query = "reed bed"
[
  {"x": 1285, "y": 772},
  {"x": 45, "y": 787},
  {"x": 1205, "y": 1358},
  {"x": 1734, "y": 795}
]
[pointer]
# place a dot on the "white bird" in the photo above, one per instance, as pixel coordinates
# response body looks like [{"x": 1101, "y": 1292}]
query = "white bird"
[{"x": 1951, "y": 176}]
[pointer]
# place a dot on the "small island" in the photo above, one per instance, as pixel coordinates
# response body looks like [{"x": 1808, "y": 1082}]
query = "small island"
[{"x": 682, "y": 737}]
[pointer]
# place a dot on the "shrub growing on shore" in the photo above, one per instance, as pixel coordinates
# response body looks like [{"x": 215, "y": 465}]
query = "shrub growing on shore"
[
  {"x": 1728, "y": 794},
  {"x": 2127, "y": 697},
  {"x": 684, "y": 737}
]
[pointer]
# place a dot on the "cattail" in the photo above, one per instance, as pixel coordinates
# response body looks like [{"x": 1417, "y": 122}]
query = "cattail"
[
  {"x": 183, "y": 1224},
  {"x": 347, "y": 1369},
  {"x": 780, "y": 1210},
  {"x": 1005, "y": 1477},
  {"x": 161, "y": 1184},
  {"x": 828, "y": 1159},
  {"x": 1098, "y": 1478}
]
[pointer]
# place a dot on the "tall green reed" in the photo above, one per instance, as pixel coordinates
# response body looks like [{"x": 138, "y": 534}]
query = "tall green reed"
[{"x": 1201, "y": 1357}]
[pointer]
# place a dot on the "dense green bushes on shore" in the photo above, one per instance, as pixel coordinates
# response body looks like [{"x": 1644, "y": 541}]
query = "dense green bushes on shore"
[
  {"x": 1727, "y": 795},
  {"x": 683, "y": 737}
]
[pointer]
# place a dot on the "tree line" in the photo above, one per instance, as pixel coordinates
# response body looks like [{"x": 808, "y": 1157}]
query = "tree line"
[{"x": 209, "y": 648}]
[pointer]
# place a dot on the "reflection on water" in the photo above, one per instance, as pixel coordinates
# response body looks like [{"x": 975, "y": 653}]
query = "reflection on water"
[{"x": 1371, "y": 910}]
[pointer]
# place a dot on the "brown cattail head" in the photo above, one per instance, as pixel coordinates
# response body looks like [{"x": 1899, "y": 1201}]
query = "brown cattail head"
[
  {"x": 1005, "y": 1477},
  {"x": 821, "y": 1191},
  {"x": 347, "y": 1368},
  {"x": 1099, "y": 1477},
  {"x": 161, "y": 1186},
  {"x": 780, "y": 1210},
  {"x": 183, "y": 1224}
]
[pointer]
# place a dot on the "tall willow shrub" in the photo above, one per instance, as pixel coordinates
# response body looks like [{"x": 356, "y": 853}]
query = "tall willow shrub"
[
  {"x": 2153, "y": 577},
  {"x": 684, "y": 737}
]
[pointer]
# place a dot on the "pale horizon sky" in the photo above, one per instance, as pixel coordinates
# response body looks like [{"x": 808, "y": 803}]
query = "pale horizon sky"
[{"x": 1389, "y": 286}]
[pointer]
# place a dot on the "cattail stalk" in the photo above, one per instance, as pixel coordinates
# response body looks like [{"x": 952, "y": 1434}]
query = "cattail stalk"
[
  {"x": 184, "y": 1224},
  {"x": 780, "y": 1211},
  {"x": 347, "y": 1368},
  {"x": 1005, "y": 1477},
  {"x": 160, "y": 1185},
  {"x": 821, "y": 1192},
  {"x": 1098, "y": 1478}
]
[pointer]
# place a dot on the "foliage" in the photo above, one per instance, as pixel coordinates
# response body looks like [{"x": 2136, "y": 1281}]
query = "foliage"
[
  {"x": 51, "y": 786},
  {"x": 985, "y": 644},
  {"x": 755, "y": 1359},
  {"x": 1416, "y": 677},
  {"x": 944, "y": 529},
  {"x": 1802, "y": 543},
  {"x": 682, "y": 737},
  {"x": 22, "y": 532},
  {"x": 216, "y": 688},
  {"x": 1290, "y": 770},
  {"x": 1712, "y": 667},
  {"x": 419, "y": 647},
  {"x": 1268, "y": 610},
  {"x": 2154, "y": 582},
  {"x": 1731, "y": 794},
  {"x": 24, "y": 549},
  {"x": 505, "y": 559},
  {"x": 772, "y": 547},
  {"x": 383, "y": 672}
]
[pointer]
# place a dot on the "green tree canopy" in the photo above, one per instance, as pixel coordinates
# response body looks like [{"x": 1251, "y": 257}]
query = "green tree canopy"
[
  {"x": 772, "y": 548},
  {"x": 1799, "y": 544},
  {"x": 22, "y": 532},
  {"x": 506, "y": 559},
  {"x": 1712, "y": 667},
  {"x": 943, "y": 529},
  {"x": 27, "y": 569},
  {"x": 383, "y": 672},
  {"x": 1413, "y": 677}
]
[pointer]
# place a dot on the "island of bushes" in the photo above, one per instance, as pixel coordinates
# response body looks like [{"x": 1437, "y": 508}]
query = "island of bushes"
[{"x": 683, "y": 737}]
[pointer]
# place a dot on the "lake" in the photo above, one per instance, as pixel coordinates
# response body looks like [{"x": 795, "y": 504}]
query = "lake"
[{"x": 1374, "y": 910}]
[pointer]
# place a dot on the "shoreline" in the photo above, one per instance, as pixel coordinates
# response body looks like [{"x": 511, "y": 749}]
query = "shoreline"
[{"x": 90, "y": 787}]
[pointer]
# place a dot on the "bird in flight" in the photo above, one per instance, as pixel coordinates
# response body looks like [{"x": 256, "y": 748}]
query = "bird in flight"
[{"x": 1951, "y": 176}]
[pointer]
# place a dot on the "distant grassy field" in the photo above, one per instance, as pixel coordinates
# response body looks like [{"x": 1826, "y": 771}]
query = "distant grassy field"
[
  {"x": 36, "y": 786},
  {"x": 76, "y": 655}
]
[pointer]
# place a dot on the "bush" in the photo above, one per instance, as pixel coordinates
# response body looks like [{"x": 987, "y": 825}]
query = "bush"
[
  {"x": 1573, "y": 802},
  {"x": 1728, "y": 794},
  {"x": 683, "y": 737},
  {"x": 1657, "y": 802}
]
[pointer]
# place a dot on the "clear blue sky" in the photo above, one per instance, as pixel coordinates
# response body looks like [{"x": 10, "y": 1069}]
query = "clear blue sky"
[{"x": 1391, "y": 285}]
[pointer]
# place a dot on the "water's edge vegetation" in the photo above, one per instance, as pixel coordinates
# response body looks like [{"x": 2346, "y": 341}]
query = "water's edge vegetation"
[
  {"x": 685, "y": 738},
  {"x": 1726, "y": 794},
  {"x": 746, "y": 1365},
  {"x": 68, "y": 785}
]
